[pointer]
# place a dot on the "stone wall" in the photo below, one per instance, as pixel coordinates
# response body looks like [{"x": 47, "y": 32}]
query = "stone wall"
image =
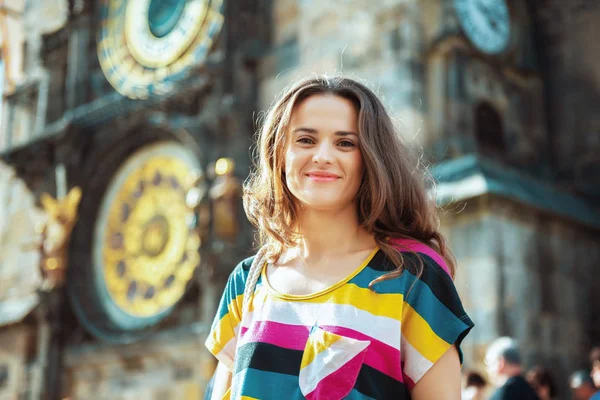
[
  {"x": 169, "y": 365},
  {"x": 567, "y": 31},
  {"x": 527, "y": 274},
  {"x": 14, "y": 351},
  {"x": 20, "y": 275},
  {"x": 379, "y": 42}
]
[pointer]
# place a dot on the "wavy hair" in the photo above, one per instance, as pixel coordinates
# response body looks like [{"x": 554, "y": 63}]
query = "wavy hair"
[{"x": 392, "y": 201}]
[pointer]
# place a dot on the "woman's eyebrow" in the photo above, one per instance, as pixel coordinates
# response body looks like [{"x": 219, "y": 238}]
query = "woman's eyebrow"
[
  {"x": 305, "y": 130},
  {"x": 314, "y": 131}
]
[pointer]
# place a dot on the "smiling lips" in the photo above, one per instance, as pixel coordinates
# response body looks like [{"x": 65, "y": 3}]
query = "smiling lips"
[{"x": 322, "y": 176}]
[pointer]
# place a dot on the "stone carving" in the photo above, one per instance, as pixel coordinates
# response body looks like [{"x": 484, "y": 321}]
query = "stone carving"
[{"x": 55, "y": 233}]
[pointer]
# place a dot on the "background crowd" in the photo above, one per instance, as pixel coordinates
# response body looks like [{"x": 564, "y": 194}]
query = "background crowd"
[{"x": 507, "y": 379}]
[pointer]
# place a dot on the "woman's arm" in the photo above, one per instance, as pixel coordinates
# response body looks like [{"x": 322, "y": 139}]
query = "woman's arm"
[
  {"x": 442, "y": 381},
  {"x": 222, "y": 382}
]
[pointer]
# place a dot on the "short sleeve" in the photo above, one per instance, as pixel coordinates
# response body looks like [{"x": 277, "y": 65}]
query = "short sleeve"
[
  {"x": 222, "y": 339},
  {"x": 433, "y": 318}
]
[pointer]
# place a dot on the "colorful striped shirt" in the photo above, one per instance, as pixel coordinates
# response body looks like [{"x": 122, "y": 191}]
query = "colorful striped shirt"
[{"x": 347, "y": 341}]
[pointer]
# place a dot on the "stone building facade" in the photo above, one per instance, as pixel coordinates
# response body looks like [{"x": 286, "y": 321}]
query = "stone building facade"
[{"x": 503, "y": 112}]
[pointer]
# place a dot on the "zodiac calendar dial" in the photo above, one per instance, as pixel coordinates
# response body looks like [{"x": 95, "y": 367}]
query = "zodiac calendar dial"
[{"x": 146, "y": 241}]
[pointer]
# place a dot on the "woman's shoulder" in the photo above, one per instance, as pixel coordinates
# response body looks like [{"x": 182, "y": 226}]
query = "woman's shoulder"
[
  {"x": 412, "y": 250},
  {"x": 239, "y": 274},
  {"x": 422, "y": 266},
  {"x": 244, "y": 265}
]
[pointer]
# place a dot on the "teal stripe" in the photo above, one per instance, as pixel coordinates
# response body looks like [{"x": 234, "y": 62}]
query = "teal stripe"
[
  {"x": 266, "y": 385},
  {"x": 271, "y": 385},
  {"x": 441, "y": 320},
  {"x": 235, "y": 286},
  {"x": 390, "y": 286},
  {"x": 356, "y": 395}
]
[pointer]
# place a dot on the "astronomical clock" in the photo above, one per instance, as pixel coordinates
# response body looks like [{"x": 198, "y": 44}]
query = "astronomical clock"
[
  {"x": 484, "y": 84},
  {"x": 136, "y": 247},
  {"x": 145, "y": 46}
]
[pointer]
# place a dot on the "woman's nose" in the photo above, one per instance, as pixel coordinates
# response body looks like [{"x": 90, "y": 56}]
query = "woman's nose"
[{"x": 323, "y": 154}]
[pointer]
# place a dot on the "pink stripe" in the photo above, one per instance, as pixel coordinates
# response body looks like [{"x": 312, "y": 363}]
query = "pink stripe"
[
  {"x": 339, "y": 383},
  {"x": 293, "y": 337},
  {"x": 384, "y": 358},
  {"x": 380, "y": 356},
  {"x": 405, "y": 245}
]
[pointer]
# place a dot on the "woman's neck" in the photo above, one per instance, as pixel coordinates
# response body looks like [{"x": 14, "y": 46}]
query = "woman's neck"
[{"x": 325, "y": 234}]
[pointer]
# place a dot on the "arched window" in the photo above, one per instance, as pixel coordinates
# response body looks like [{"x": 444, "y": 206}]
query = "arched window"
[{"x": 489, "y": 130}]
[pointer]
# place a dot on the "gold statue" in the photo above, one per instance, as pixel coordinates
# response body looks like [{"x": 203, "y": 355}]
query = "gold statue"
[
  {"x": 55, "y": 235},
  {"x": 225, "y": 195}
]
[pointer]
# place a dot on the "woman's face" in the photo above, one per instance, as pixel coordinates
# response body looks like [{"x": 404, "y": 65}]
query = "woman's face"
[{"x": 323, "y": 161}]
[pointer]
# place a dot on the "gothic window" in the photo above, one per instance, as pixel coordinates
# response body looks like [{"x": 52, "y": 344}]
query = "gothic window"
[{"x": 489, "y": 130}]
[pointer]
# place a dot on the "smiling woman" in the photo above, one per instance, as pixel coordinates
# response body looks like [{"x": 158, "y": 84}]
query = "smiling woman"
[
  {"x": 351, "y": 295},
  {"x": 323, "y": 148}
]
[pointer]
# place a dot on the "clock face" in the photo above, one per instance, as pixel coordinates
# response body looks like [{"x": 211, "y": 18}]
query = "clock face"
[
  {"x": 146, "y": 246},
  {"x": 486, "y": 23},
  {"x": 146, "y": 45}
]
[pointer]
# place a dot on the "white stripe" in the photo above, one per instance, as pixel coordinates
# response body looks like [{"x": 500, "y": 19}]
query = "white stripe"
[
  {"x": 415, "y": 365},
  {"x": 384, "y": 329},
  {"x": 227, "y": 353},
  {"x": 329, "y": 361}
]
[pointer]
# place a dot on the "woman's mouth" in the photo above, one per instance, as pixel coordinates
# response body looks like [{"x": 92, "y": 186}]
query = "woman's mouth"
[{"x": 322, "y": 176}]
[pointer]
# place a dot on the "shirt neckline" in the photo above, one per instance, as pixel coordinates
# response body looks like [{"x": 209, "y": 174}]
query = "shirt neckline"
[{"x": 296, "y": 297}]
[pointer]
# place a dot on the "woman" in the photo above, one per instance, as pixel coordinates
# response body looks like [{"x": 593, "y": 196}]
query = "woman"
[
  {"x": 474, "y": 386},
  {"x": 541, "y": 380},
  {"x": 356, "y": 299}
]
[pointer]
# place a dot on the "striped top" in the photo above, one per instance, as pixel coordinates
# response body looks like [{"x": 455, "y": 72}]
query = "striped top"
[{"x": 346, "y": 341}]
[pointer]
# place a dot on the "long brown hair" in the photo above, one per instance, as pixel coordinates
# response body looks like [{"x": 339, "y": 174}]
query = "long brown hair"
[{"x": 392, "y": 201}]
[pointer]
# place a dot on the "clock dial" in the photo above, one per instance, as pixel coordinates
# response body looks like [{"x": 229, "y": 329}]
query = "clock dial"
[
  {"x": 146, "y": 45},
  {"x": 146, "y": 244},
  {"x": 486, "y": 23}
]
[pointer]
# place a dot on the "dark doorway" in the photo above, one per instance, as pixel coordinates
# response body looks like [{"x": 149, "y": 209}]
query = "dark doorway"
[{"x": 489, "y": 130}]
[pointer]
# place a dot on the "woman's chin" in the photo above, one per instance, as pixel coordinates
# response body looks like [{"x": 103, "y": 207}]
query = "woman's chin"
[{"x": 320, "y": 203}]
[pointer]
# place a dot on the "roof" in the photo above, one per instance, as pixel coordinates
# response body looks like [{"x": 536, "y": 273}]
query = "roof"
[{"x": 472, "y": 176}]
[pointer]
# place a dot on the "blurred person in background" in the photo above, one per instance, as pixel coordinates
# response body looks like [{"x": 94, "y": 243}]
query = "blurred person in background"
[
  {"x": 595, "y": 361},
  {"x": 474, "y": 386},
  {"x": 503, "y": 361},
  {"x": 582, "y": 386},
  {"x": 542, "y": 382}
]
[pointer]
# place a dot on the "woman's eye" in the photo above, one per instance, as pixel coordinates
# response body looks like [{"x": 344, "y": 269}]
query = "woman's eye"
[
  {"x": 306, "y": 140},
  {"x": 346, "y": 143}
]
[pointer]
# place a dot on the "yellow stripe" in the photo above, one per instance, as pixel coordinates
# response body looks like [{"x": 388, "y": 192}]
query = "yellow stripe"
[
  {"x": 223, "y": 333},
  {"x": 420, "y": 335},
  {"x": 224, "y": 330},
  {"x": 318, "y": 342},
  {"x": 380, "y": 304},
  {"x": 248, "y": 398},
  {"x": 235, "y": 307}
]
